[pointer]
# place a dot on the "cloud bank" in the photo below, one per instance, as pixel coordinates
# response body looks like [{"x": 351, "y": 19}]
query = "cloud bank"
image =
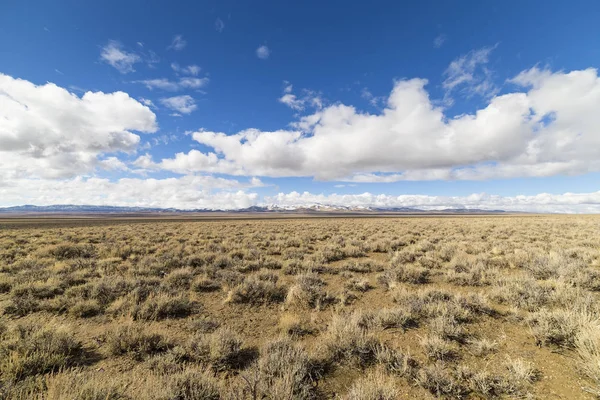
[
  {"x": 52, "y": 143},
  {"x": 548, "y": 127},
  {"x": 48, "y": 132}
]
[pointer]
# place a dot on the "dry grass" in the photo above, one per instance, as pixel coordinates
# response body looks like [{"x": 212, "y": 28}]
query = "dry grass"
[{"x": 364, "y": 308}]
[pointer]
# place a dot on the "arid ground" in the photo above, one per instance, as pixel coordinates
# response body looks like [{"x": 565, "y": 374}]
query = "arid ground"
[{"x": 327, "y": 308}]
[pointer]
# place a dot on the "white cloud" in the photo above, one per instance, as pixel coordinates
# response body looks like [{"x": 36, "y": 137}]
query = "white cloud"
[
  {"x": 187, "y": 192},
  {"x": 219, "y": 25},
  {"x": 173, "y": 86},
  {"x": 192, "y": 70},
  {"x": 182, "y": 104},
  {"x": 151, "y": 58},
  {"x": 192, "y": 192},
  {"x": 189, "y": 163},
  {"x": 46, "y": 131},
  {"x": 263, "y": 52},
  {"x": 193, "y": 83},
  {"x": 375, "y": 101},
  {"x": 292, "y": 101},
  {"x": 178, "y": 43},
  {"x": 469, "y": 75},
  {"x": 296, "y": 103},
  {"x": 189, "y": 70},
  {"x": 114, "y": 55},
  {"x": 543, "y": 202},
  {"x": 548, "y": 128},
  {"x": 439, "y": 40},
  {"x": 160, "y": 83},
  {"x": 147, "y": 102},
  {"x": 113, "y": 164}
]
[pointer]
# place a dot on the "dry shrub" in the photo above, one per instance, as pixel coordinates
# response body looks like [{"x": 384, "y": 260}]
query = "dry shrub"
[
  {"x": 407, "y": 255},
  {"x": 408, "y": 273},
  {"x": 283, "y": 371},
  {"x": 254, "y": 290},
  {"x": 294, "y": 326},
  {"x": 437, "y": 348},
  {"x": 5, "y": 283},
  {"x": 204, "y": 284},
  {"x": 83, "y": 385},
  {"x": 482, "y": 347},
  {"x": 440, "y": 381},
  {"x": 479, "y": 275},
  {"x": 346, "y": 340},
  {"x": 396, "y": 362},
  {"x": 65, "y": 251},
  {"x": 155, "y": 307},
  {"x": 135, "y": 341},
  {"x": 179, "y": 279},
  {"x": 527, "y": 294},
  {"x": 395, "y": 318},
  {"x": 587, "y": 345},
  {"x": 364, "y": 267},
  {"x": 222, "y": 349},
  {"x": 162, "y": 306},
  {"x": 85, "y": 309},
  {"x": 360, "y": 285},
  {"x": 521, "y": 374},
  {"x": 38, "y": 290},
  {"x": 189, "y": 385},
  {"x": 30, "y": 350},
  {"x": 104, "y": 290},
  {"x": 21, "y": 306},
  {"x": 203, "y": 324},
  {"x": 558, "y": 327},
  {"x": 306, "y": 292},
  {"x": 376, "y": 385},
  {"x": 185, "y": 385},
  {"x": 447, "y": 327}
]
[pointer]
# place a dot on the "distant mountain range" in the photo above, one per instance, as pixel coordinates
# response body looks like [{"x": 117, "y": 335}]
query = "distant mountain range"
[{"x": 314, "y": 208}]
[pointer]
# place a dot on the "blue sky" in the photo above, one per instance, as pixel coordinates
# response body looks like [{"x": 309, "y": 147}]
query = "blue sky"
[{"x": 335, "y": 93}]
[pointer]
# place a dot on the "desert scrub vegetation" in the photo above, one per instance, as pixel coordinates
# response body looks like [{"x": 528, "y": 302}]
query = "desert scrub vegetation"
[{"x": 344, "y": 308}]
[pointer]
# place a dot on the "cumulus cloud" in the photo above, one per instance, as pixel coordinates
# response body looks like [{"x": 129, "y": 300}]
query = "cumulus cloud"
[
  {"x": 548, "y": 127},
  {"x": 263, "y": 52},
  {"x": 178, "y": 43},
  {"x": 182, "y": 104},
  {"x": 115, "y": 55},
  {"x": 46, "y": 131}
]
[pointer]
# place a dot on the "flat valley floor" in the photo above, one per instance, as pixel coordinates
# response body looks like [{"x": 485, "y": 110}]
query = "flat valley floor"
[{"x": 300, "y": 308}]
